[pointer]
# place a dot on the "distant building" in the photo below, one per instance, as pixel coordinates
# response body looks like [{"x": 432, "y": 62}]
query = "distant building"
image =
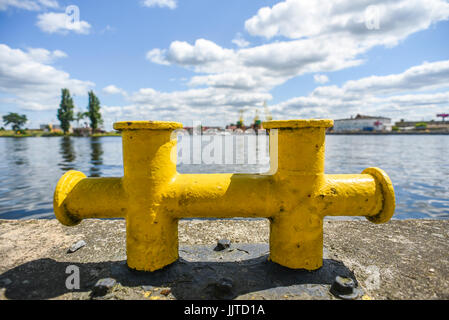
[{"x": 363, "y": 123}]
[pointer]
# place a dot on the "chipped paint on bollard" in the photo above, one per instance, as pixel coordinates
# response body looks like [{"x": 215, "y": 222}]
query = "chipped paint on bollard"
[{"x": 152, "y": 196}]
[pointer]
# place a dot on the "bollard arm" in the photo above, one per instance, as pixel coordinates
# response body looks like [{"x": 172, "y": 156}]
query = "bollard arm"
[
  {"x": 369, "y": 194},
  {"x": 77, "y": 197},
  {"x": 220, "y": 196}
]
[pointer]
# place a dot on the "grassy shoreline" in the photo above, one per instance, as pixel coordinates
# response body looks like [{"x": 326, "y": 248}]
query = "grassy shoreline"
[
  {"x": 36, "y": 133},
  {"x": 361, "y": 133}
]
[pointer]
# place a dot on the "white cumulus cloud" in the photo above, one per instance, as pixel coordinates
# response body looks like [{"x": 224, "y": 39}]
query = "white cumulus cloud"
[
  {"x": 53, "y": 22},
  {"x": 419, "y": 90},
  {"x": 44, "y": 56},
  {"x": 32, "y": 5},
  {"x": 320, "y": 78},
  {"x": 305, "y": 37},
  {"x": 396, "y": 19},
  {"x": 112, "y": 89},
  {"x": 31, "y": 82},
  {"x": 171, "y": 4},
  {"x": 239, "y": 41}
]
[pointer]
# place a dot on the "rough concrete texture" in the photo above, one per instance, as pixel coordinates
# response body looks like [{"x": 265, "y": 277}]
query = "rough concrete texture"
[{"x": 402, "y": 259}]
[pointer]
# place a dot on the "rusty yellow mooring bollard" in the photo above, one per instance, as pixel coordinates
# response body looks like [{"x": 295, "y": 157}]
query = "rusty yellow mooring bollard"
[{"x": 152, "y": 196}]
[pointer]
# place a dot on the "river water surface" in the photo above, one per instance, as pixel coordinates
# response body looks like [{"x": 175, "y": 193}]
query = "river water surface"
[{"x": 418, "y": 165}]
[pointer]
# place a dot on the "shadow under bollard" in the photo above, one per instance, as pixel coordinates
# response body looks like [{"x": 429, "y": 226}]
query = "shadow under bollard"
[{"x": 242, "y": 271}]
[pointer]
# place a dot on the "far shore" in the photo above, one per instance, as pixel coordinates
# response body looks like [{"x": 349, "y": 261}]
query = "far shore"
[
  {"x": 38, "y": 134},
  {"x": 390, "y": 133}
]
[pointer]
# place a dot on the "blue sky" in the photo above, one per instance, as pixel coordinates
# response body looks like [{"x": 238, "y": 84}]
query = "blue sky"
[{"x": 205, "y": 60}]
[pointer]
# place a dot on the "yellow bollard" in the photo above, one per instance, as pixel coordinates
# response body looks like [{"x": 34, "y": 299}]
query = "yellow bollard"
[{"x": 152, "y": 196}]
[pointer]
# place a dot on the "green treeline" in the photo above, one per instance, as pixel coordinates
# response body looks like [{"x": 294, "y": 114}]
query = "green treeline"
[{"x": 65, "y": 114}]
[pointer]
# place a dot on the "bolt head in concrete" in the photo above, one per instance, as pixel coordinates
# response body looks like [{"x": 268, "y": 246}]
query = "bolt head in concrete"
[{"x": 345, "y": 288}]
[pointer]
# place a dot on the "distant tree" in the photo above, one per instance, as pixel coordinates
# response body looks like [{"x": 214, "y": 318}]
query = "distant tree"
[
  {"x": 65, "y": 111},
  {"x": 94, "y": 111},
  {"x": 16, "y": 120},
  {"x": 421, "y": 125}
]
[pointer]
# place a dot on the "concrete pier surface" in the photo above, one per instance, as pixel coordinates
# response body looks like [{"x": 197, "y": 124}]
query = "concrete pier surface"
[{"x": 402, "y": 259}]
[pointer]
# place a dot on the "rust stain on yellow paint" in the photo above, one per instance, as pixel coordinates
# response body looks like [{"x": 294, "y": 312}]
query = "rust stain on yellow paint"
[{"x": 152, "y": 196}]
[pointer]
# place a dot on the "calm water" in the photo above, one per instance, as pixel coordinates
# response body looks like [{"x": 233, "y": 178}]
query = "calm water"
[{"x": 417, "y": 165}]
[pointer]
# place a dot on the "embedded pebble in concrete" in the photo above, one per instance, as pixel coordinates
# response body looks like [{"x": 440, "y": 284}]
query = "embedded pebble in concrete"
[
  {"x": 222, "y": 244},
  {"x": 77, "y": 246},
  {"x": 148, "y": 288},
  {"x": 165, "y": 292}
]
